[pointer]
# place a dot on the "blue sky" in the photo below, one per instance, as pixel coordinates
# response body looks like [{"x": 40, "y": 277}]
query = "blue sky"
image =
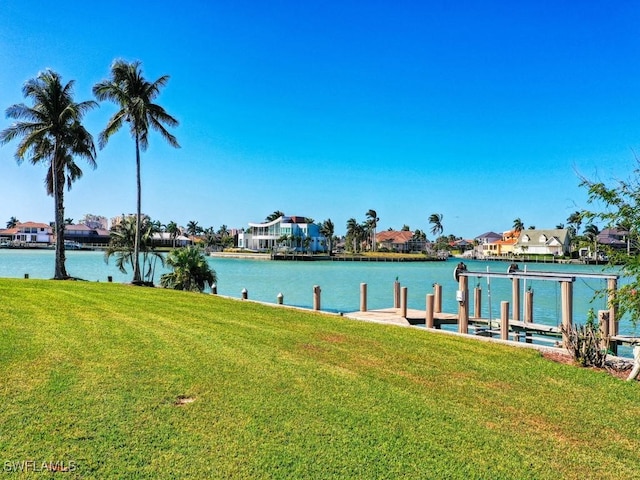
[{"x": 480, "y": 111}]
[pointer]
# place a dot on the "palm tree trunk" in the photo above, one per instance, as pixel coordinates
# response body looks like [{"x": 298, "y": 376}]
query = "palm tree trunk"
[
  {"x": 136, "y": 249},
  {"x": 373, "y": 239},
  {"x": 58, "y": 194}
]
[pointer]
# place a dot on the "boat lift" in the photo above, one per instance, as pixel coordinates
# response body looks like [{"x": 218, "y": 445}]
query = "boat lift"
[{"x": 566, "y": 281}]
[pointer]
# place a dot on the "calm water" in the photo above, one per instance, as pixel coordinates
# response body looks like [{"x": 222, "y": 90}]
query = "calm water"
[{"x": 340, "y": 281}]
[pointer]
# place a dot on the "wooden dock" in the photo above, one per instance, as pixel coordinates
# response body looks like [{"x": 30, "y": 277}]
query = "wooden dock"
[{"x": 483, "y": 326}]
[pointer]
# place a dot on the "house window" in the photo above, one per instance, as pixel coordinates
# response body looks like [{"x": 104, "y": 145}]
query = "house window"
[
  {"x": 525, "y": 238},
  {"x": 542, "y": 239}
]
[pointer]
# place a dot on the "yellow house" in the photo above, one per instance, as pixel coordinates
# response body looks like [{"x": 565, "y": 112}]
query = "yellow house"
[{"x": 505, "y": 246}]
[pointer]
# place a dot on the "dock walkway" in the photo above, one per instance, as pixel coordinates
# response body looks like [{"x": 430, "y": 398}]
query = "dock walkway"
[{"x": 418, "y": 317}]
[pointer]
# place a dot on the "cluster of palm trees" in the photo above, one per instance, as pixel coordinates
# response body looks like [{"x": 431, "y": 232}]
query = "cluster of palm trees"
[
  {"x": 50, "y": 131},
  {"x": 363, "y": 235}
]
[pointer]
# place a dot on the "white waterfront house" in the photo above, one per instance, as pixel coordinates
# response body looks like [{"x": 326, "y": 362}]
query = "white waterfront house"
[
  {"x": 293, "y": 233},
  {"x": 28, "y": 233},
  {"x": 554, "y": 242}
]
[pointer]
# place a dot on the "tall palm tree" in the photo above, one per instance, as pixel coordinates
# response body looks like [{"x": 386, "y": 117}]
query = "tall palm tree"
[
  {"x": 372, "y": 222},
  {"x": 575, "y": 219},
  {"x": 51, "y": 132},
  {"x": 274, "y": 216},
  {"x": 193, "y": 228},
  {"x": 134, "y": 96},
  {"x": 172, "y": 230},
  {"x": 327, "y": 230},
  {"x": 355, "y": 233},
  {"x": 12, "y": 222},
  {"x": 591, "y": 231},
  {"x": 435, "y": 219},
  {"x": 518, "y": 226}
]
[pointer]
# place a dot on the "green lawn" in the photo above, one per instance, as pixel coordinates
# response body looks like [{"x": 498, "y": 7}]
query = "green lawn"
[{"x": 129, "y": 382}]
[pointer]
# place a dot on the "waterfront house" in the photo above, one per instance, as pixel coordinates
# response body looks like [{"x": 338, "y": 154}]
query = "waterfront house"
[
  {"x": 543, "y": 242},
  {"x": 484, "y": 242},
  {"x": 28, "y": 234},
  {"x": 399, "y": 241},
  {"x": 165, "y": 239},
  {"x": 294, "y": 233},
  {"x": 613, "y": 238},
  {"x": 503, "y": 247},
  {"x": 86, "y": 235}
]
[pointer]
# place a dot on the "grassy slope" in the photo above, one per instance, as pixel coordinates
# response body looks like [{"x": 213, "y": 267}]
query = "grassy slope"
[{"x": 91, "y": 372}]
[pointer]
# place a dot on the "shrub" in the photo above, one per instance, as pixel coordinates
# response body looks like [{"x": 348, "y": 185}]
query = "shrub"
[{"x": 586, "y": 343}]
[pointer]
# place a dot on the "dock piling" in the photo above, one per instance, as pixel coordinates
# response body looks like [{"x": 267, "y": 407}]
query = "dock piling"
[
  {"x": 516, "y": 299},
  {"x": 396, "y": 294},
  {"x": 477, "y": 302},
  {"x": 603, "y": 321},
  {"x": 463, "y": 304},
  {"x": 316, "y": 297},
  {"x": 363, "y": 297},
  {"x": 437, "y": 290},
  {"x": 403, "y": 302},
  {"x": 429, "y": 310},
  {"x": 528, "y": 312},
  {"x": 504, "y": 320}
]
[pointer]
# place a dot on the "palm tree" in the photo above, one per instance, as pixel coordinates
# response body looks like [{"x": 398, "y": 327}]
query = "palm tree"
[
  {"x": 193, "y": 228},
  {"x": 191, "y": 271},
  {"x": 575, "y": 219},
  {"x": 419, "y": 239},
  {"x": 172, "y": 230},
  {"x": 13, "y": 221},
  {"x": 52, "y": 133},
  {"x": 134, "y": 96},
  {"x": 355, "y": 233},
  {"x": 419, "y": 236},
  {"x": 435, "y": 219},
  {"x": 372, "y": 223},
  {"x": 327, "y": 230},
  {"x": 122, "y": 246},
  {"x": 274, "y": 216},
  {"x": 591, "y": 231},
  {"x": 518, "y": 226}
]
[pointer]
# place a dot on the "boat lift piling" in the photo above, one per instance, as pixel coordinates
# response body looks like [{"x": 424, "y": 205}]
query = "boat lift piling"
[
  {"x": 507, "y": 325},
  {"x": 566, "y": 288}
]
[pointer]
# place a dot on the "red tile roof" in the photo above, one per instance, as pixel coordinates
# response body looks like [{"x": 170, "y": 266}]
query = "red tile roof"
[{"x": 394, "y": 236}]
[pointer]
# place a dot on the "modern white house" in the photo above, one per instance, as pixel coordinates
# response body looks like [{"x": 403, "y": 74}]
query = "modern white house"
[
  {"x": 293, "y": 233},
  {"x": 554, "y": 242}
]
